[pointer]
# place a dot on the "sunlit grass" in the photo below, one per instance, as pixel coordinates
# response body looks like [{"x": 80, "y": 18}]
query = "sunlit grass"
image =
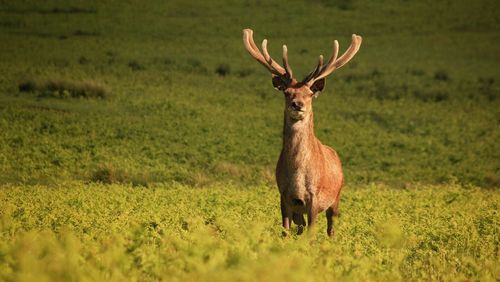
[
  {"x": 138, "y": 141},
  {"x": 75, "y": 231}
]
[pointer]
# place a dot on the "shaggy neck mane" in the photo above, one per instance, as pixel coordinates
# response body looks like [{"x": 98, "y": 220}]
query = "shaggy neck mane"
[{"x": 298, "y": 135}]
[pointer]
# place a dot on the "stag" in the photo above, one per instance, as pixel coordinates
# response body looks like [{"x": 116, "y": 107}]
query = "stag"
[{"x": 309, "y": 174}]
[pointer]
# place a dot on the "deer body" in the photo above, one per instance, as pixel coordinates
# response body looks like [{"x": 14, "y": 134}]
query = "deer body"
[{"x": 309, "y": 174}]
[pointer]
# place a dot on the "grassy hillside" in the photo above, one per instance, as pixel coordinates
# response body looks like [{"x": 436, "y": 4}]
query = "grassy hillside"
[
  {"x": 138, "y": 140},
  {"x": 184, "y": 102}
]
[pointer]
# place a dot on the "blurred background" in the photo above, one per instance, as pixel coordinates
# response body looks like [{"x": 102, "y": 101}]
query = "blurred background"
[{"x": 144, "y": 92}]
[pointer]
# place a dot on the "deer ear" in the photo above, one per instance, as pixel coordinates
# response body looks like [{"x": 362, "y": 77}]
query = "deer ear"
[
  {"x": 278, "y": 83},
  {"x": 318, "y": 86}
]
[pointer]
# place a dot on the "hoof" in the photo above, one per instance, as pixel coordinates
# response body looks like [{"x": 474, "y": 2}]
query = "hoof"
[
  {"x": 300, "y": 229},
  {"x": 330, "y": 233}
]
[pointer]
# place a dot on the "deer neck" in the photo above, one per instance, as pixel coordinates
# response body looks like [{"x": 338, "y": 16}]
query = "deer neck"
[{"x": 298, "y": 137}]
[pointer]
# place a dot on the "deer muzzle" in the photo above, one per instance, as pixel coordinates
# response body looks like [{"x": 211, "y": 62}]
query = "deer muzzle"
[{"x": 297, "y": 113}]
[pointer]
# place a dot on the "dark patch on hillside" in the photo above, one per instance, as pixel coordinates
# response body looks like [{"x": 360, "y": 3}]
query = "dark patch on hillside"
[
  {"x": 62, "y": 88},
  {"x": 57, "y": 10}
]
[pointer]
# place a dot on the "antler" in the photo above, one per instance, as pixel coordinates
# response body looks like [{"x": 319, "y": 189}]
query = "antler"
[
  {"x": 265, "y": 59},
  {"x": 334, "y": 63}
]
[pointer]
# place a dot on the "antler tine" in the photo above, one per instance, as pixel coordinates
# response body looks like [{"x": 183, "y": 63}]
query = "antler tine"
[
  {"x": 351, "y": 51},
  {"x": 320, "y": 64},
  {"x": 254, "y": 51},
  {"x": 265, "y": 59},
  {"x": 270, "y": 60},
  {"x": 264, "y": 51},
  {"x": 335, "y": 53},
  {"x": 335, "y": 63},
  {"x": 285, "y": 63},
  {"x": 249, "y": 44},
  {"x": 330, "y": 65},
  {"x": 315, "y": 72}
]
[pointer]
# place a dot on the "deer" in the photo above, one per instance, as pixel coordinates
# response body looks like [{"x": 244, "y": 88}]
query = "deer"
[{"x": 308, "y": 174}]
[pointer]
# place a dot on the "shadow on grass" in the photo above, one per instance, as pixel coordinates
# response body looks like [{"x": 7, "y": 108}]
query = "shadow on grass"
[
  {"x": 69, "y": 10},
  {"x": 63, "y": 88}
]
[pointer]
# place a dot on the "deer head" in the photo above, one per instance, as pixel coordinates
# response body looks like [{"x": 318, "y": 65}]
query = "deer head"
[{"x": 298, "y": 95}]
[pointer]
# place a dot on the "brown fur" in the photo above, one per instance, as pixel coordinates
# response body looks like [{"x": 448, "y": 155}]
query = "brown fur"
[
  {"x": 308, "y": 173},
  {"x": 307, "y": 170}
]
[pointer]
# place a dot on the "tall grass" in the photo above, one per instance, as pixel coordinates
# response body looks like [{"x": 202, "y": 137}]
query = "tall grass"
[{"x": 118, "y": 232}]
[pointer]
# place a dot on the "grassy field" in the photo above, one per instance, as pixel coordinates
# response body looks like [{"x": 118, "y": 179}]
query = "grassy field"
[
  {"x": 138, "y": 140},
  {"x": 97, "y": 232}
]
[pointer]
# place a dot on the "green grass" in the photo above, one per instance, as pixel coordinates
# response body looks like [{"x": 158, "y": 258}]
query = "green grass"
[
  {"x": 74, "y": 232},
  {"x": 138, "y": 140},
  {"x": 419, "y": 103}
]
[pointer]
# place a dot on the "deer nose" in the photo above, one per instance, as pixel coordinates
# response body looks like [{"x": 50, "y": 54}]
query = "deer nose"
[{"x": 297, "y": 106}]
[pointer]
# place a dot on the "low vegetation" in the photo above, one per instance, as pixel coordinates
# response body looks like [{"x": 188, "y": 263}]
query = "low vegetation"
[
  {"x": 118, "y": 232},
  {"x": 139, "y": 140},
  {"x": 62, "y": 88}
]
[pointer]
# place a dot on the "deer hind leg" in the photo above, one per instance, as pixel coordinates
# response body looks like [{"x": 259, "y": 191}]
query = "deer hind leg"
[
  {"x": 300, "y": 221},
  {"x": 330, "y": 212},
  {"x": 286, "y": 215},
  {"x": 336, "y": 209}
]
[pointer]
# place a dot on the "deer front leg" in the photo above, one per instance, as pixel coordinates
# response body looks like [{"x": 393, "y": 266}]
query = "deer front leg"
[
  {"x": 329, "y": 221},
  {"x": 312, "y": 214},
  {"x": 286, "y": 215}
]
